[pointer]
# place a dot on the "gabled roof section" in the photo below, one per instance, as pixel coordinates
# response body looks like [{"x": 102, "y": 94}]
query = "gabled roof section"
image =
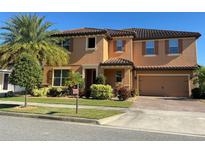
[
  {"x": 144, "y": 34},
  {"x": 116, "y": 62},
  {"x": 136, "y": 33}
]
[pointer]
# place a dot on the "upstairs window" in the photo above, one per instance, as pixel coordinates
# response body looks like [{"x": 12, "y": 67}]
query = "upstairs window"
[
  {"x": 173, "y": 46},
  {"x": 65, "y": 44},
  {"x": 91, "y": 42},
  {"x": 60, "y": 76},
  {"x": 119, "y": 45},
  {"x": 118, "y": 76},
  {"x": 149, "y": 48}
]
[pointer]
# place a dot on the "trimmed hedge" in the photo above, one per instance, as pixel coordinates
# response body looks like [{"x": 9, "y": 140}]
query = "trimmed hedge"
[{"x": 100, "y": 91}]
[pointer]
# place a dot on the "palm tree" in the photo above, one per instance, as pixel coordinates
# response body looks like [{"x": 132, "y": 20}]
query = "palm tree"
[{"x": 30, "y": 33}]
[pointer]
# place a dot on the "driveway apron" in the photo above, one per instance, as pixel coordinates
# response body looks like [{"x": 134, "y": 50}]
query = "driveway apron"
[{"x": 170, "y": 115}]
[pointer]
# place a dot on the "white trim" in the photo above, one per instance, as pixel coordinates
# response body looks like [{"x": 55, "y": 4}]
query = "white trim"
[
  {"x": 153, "y": 55},
  {"x": 9, "y": 71},
  {"x": 173, "y": 54},
  {"x": 86, "y": 45},
  {"x": 119, "y": 39},
  {"x": 60, "y": 76},
  {"x": 119, "y": 51}
]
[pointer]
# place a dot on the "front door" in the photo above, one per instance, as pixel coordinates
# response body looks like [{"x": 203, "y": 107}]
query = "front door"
[{"x": 90, "y": 77}]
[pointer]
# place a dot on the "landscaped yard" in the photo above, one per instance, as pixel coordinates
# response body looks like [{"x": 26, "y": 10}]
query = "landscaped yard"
[
  {"x": 83, "y": 113},
  {"x": 71, "y": 101}
]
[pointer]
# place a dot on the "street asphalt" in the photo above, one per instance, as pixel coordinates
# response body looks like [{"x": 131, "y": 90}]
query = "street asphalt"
[{"x": 30, "y": 129}]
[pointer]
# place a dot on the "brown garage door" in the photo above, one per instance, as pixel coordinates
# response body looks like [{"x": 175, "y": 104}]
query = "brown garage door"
[{"x": 164, "y": 85}]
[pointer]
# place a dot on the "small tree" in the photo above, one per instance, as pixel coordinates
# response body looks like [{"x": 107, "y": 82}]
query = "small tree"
[
  {"x": 100, "y": 79},
  {"x": 74, "y": 78},
  {"x": 200, "y": 79},
  {"x": 26, "y": 73}
]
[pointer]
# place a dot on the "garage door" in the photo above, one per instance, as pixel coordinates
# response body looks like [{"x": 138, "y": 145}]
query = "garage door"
[{"x": 164, "y": 86}]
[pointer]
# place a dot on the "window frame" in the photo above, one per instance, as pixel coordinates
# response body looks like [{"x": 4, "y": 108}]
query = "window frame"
[
  {"x": 87, "y": 41},
  {"x": 171, "y": 53},
  {"x": 123, "y": 46},
  {"x": 61, "y": 77},
  {"x": 146, "y": 53},
  {"x": 69, "y": 44},
  {"x": 117, "y": 71}
]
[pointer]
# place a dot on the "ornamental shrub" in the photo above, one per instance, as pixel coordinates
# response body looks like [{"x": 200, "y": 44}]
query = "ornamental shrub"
[
  {"x": 74, "y": 78},
  {"x": 100, "y": 79},
  {"x": 39, "y": 92},
  {"x": 55, "y": 91},
  {"x": 100, "y": 91},
  {"x": 196, "y": 93},
  {"x": 199, "y": 81},
  {"x": 26, "y": 73},
  {"x": 124, "y": 93}
]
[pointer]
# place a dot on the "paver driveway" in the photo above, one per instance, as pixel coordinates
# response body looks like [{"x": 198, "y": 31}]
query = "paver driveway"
[{"x": 176, "y": 115}]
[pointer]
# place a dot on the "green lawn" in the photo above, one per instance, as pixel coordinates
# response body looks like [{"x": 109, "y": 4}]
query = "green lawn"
[
  {"x": 83, "y": 113},
  {"x": 71, "y": 101}
]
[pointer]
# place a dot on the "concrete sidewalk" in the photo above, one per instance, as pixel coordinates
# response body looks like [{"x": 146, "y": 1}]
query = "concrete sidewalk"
[{"x": 65, "y": 105}]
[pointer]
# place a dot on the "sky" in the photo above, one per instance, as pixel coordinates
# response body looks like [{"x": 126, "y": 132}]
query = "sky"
[{"x": 172, "y": 21}]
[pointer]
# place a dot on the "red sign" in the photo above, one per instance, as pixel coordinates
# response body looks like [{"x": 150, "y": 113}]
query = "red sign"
[{"x": 75, "y": 91}]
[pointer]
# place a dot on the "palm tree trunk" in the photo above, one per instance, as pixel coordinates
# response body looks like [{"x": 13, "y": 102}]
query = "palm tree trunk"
[{"x": 25, "y": 104}]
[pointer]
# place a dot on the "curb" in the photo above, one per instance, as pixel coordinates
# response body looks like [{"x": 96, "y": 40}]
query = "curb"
[
  {"x": 109, "y": 119},
  {"x": 60, "y": 118}
]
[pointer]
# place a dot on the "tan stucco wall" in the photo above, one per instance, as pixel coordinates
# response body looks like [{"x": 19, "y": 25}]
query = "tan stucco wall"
[
  {"x": 81, "y": 56},
  {"x": 110, "y": 77},
  {"x": 127, "y": 54},
  {"x": 105, "y": 49},
  {"x": 187, "y": 57}
]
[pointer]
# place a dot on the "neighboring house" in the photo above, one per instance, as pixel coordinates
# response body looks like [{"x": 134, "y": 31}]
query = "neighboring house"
[
  {"x": 153, "y": 62},
  {"x": 4, "y": 83}
]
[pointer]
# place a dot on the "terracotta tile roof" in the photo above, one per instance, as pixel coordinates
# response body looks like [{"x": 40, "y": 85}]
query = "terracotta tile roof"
[
  {"x": 116, "y": 61},
  {"x": 143, "y": 34},
  {"x": 81, "y": 31},
  {"x": 166, "y": 67},
  {"x": 137, "y": 33},
  {"x": 114, "y": 33}
]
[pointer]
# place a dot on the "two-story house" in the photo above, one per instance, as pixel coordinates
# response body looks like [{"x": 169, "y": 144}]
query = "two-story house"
[{"x": 154, "y": 62}]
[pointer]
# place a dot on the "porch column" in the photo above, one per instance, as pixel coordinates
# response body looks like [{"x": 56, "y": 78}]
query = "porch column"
[{"x": 128, "y": 77}]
